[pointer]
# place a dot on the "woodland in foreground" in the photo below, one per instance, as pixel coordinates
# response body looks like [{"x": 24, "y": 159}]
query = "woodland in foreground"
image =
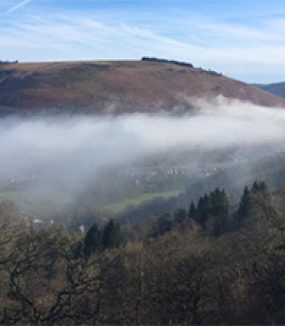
[{"x": 208, "y": 264}]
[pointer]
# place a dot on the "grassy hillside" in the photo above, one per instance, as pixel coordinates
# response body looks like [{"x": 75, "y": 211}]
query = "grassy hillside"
[
  {"x": 120, "y": 206},
  {"x": 115, "y": 87},
  {"x": 48, "y": 202}
]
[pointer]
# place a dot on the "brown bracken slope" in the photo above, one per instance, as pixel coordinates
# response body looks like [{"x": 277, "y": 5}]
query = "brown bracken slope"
[{"x": 116, "y": 87}]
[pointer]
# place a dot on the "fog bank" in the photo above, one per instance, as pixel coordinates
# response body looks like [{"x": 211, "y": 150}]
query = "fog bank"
[{"x": 72, "y": 151}]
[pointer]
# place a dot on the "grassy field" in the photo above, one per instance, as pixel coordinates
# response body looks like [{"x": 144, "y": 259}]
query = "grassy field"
[
  {"x": 122, "y": 205},
  {"x": 36, "y": 201},
  {"x": 46, "y": 203}
]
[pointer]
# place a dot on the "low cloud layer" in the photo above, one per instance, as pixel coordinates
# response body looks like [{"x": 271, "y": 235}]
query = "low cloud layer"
[{"x": 73, "y": 151}]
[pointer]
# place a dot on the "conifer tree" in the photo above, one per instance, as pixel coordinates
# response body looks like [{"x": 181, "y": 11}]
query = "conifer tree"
[
  {"x": 163, "y": 225},
  {"x": 112, "y": 235},
  {"x": 245, "y": 204},
  {"x": 192, "y": 211},
  {"x": 203, "y": 210},
  {"x": 219, "y": 209},
  {"x": 92, "y": 241},
  {"x": 180, "y": 215}
]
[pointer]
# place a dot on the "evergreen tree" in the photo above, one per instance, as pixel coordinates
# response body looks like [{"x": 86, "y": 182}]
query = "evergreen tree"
[
  {"x": 255, "y": 187},
  {"x": 256, "y": 205},
  {"x": 192, "y": 211},
  {"x": 112, "y": 235},
  {"x": 180, "y": 215},
  {"x": 92, "y": 241},
  {"x": 219, "y": 203},
  {"x": 219, "y": 209},
  {"x": 214, "y": 206},
  {"x": 259, "y": 187},
  {"x": 203, "y": 210},
  {"x": 163, "y": 225},
  {"x": 263, "y": 187},
  {"x": 245, "y": 204},
  {"x": 262, "y": 202}
]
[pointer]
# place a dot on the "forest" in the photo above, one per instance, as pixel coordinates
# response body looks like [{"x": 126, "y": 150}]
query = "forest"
[{"x": 209, "y": 263}]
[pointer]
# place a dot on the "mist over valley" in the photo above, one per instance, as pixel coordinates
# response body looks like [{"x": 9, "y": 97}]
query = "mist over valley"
[{"x": 51, "y": 164}]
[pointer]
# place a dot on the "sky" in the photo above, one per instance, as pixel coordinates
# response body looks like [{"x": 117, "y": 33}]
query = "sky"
[{"x": 244, "y": 39}]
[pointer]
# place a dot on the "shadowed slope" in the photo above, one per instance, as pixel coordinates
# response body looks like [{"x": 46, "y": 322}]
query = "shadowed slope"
[{"x": 277, "y": 89}]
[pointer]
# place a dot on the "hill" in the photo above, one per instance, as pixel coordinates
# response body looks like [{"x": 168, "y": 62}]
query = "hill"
[
  {"x": 115, "y": 87},
  {"x": 277, "y": 89}
]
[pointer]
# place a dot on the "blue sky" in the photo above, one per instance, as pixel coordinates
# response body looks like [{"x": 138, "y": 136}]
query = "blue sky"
[{"x": 243, "y": 39}]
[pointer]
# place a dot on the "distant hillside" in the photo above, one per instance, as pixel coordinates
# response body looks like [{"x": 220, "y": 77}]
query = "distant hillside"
[
  {"x": 115, "y": 87},
  {"x": 277, "y": 89}
]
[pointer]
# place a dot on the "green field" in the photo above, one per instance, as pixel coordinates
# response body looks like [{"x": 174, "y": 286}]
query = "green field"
[
  {"x": 38, "y": 201},
  {"x": 47, "y": 202},
  {"x": 120, "y": 206}
]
